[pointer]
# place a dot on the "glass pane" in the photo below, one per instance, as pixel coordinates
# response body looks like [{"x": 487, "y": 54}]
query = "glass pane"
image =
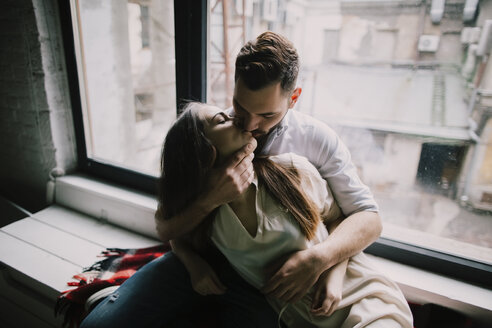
[
  {"x": 404, "y": 89},
  {"x": 126, "y": 65}
]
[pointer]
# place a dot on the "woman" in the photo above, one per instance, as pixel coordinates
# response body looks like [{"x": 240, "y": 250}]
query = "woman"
[{"x": 282, "y": 212}]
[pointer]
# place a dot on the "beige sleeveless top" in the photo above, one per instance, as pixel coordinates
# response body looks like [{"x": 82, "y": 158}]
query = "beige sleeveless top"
[{"x": 278, "y": 235}]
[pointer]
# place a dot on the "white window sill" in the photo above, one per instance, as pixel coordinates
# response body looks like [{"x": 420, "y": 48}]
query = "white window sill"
[
  {"x": 126, "y": 208},
  {"x": 108, "y": 203},
  {"x": 135, "y": 211}
]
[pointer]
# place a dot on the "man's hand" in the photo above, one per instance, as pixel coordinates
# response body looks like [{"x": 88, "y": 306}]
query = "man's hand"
[
  {"x": 294, "y": 278},
  {"x": 204, "y": 279},
  {"x": 232, "y": 178}
]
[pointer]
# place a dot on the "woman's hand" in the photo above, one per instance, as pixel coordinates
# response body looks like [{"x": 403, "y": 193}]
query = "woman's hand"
[
  {"x": 226, "y": 182},
  {"x": 204, "y": 279},
  {"x": 328, "y": 290}
]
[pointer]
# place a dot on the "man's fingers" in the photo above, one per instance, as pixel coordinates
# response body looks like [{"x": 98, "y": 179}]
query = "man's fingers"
[
  {"x": 292, "y": 295},
  {"x": 283, "y": 293},
  {"x": 271, "y": 285},
  {"x": 296, "y": 297}
]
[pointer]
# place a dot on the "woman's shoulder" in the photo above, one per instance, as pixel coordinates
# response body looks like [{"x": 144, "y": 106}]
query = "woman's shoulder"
[
  {"x": 297, "y": 161},
  {"x": 315, "y": 187},
  {"x": 283, "y": 159},
  {"x": 311, "y": 179}
]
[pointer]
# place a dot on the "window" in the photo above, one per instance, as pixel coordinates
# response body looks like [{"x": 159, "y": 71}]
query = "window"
[
  {"x": 130, "y": 64},
  {"x": 402, "y": 108},
  {"x": 412, "y": 114},
  {"x": 126, "y": 65}
]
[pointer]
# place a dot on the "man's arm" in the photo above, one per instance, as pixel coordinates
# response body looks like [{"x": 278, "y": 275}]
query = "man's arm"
[
  {"x": 359, "y": 229},
  {"x": 225, "y": 183},
  {"x": 301, "y": 271},
  {"x": 352, "y": 236}
]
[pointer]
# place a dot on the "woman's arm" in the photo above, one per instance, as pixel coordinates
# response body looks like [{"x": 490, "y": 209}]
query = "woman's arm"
[
  {"x": 203, "y": 278},
  {"x": 328, "y": 288}
]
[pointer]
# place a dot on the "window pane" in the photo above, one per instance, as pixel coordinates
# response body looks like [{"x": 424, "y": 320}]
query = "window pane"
[
  {"x": 404, "y": 89},
  {"x": 126, "y": 66}
]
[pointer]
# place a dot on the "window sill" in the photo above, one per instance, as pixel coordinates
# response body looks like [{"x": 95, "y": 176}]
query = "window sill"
[
  {"x": 107, "y": 202},
  {"x": 135, "y": 211}
]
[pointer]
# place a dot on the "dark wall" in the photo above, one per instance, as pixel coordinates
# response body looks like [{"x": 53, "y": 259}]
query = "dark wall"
[{"x": 34, "y": 105}]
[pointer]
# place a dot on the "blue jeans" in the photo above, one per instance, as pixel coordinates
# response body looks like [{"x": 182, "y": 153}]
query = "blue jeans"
[{"x": 160, "y": 295}]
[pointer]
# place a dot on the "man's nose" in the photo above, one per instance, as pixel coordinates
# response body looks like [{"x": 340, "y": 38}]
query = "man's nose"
[
  {"x": 238, "y": 121},
  {"x": 250, "y": 124}
]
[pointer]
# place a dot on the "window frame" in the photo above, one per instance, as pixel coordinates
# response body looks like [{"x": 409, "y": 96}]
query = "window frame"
[
  {"x": 190, "y": 33},
  {"x": 191, "y": 84}
]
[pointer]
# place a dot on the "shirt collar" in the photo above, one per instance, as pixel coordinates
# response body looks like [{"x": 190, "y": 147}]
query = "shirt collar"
[
  {"x": 255, "y": 180},
  {"x": 283, "y": 125}
]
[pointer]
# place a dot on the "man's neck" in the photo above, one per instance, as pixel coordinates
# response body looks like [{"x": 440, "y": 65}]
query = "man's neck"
[
  {"x": 261, "y": 143},
  {"x": 262, "y": 140}
]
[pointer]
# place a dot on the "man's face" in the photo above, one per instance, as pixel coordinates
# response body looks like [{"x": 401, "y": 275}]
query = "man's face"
[{"x": 261, "y": 110}]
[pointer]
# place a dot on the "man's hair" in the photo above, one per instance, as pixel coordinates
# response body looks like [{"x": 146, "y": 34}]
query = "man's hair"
[{"x": 269, "y": 59}]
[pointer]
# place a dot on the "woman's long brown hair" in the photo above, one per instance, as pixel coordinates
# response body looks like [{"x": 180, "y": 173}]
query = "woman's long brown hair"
[
  {"x": 284, "y": 184},
  {"x": 186, "y": 159}
]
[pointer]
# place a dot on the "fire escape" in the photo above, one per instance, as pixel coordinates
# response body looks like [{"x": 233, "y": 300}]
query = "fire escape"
[{"x": 231, "y": 16}]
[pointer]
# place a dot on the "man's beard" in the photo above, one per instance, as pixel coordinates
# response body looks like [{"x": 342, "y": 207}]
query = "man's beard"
[
  {"x": 260, "y": 140},
  {"x": 257, "y": 134}
]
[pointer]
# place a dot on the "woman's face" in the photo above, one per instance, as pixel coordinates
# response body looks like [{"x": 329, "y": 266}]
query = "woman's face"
[{"x": 221, "y": 131}]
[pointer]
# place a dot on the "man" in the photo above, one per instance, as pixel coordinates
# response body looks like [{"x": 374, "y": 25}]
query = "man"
[{"x": 264, "y": 96}]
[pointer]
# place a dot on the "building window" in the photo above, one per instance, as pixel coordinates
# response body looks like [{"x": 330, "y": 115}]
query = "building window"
[
  {"x": 126, "y": 70},
  {"x": 145, "y": 21},
  {"x": 403, "y": 108},
  {"x": 415, "y": 115}
]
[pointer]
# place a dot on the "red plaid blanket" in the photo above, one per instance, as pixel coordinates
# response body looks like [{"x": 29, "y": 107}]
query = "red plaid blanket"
[{"x": 117, "y": 266}]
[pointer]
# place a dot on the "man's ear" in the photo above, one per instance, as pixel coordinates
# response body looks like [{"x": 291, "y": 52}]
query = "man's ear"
[{"x": 295, "y": 95}]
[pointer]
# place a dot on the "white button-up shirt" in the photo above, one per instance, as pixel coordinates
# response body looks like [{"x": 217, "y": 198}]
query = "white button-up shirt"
[{"x": 309, "y": 137}]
